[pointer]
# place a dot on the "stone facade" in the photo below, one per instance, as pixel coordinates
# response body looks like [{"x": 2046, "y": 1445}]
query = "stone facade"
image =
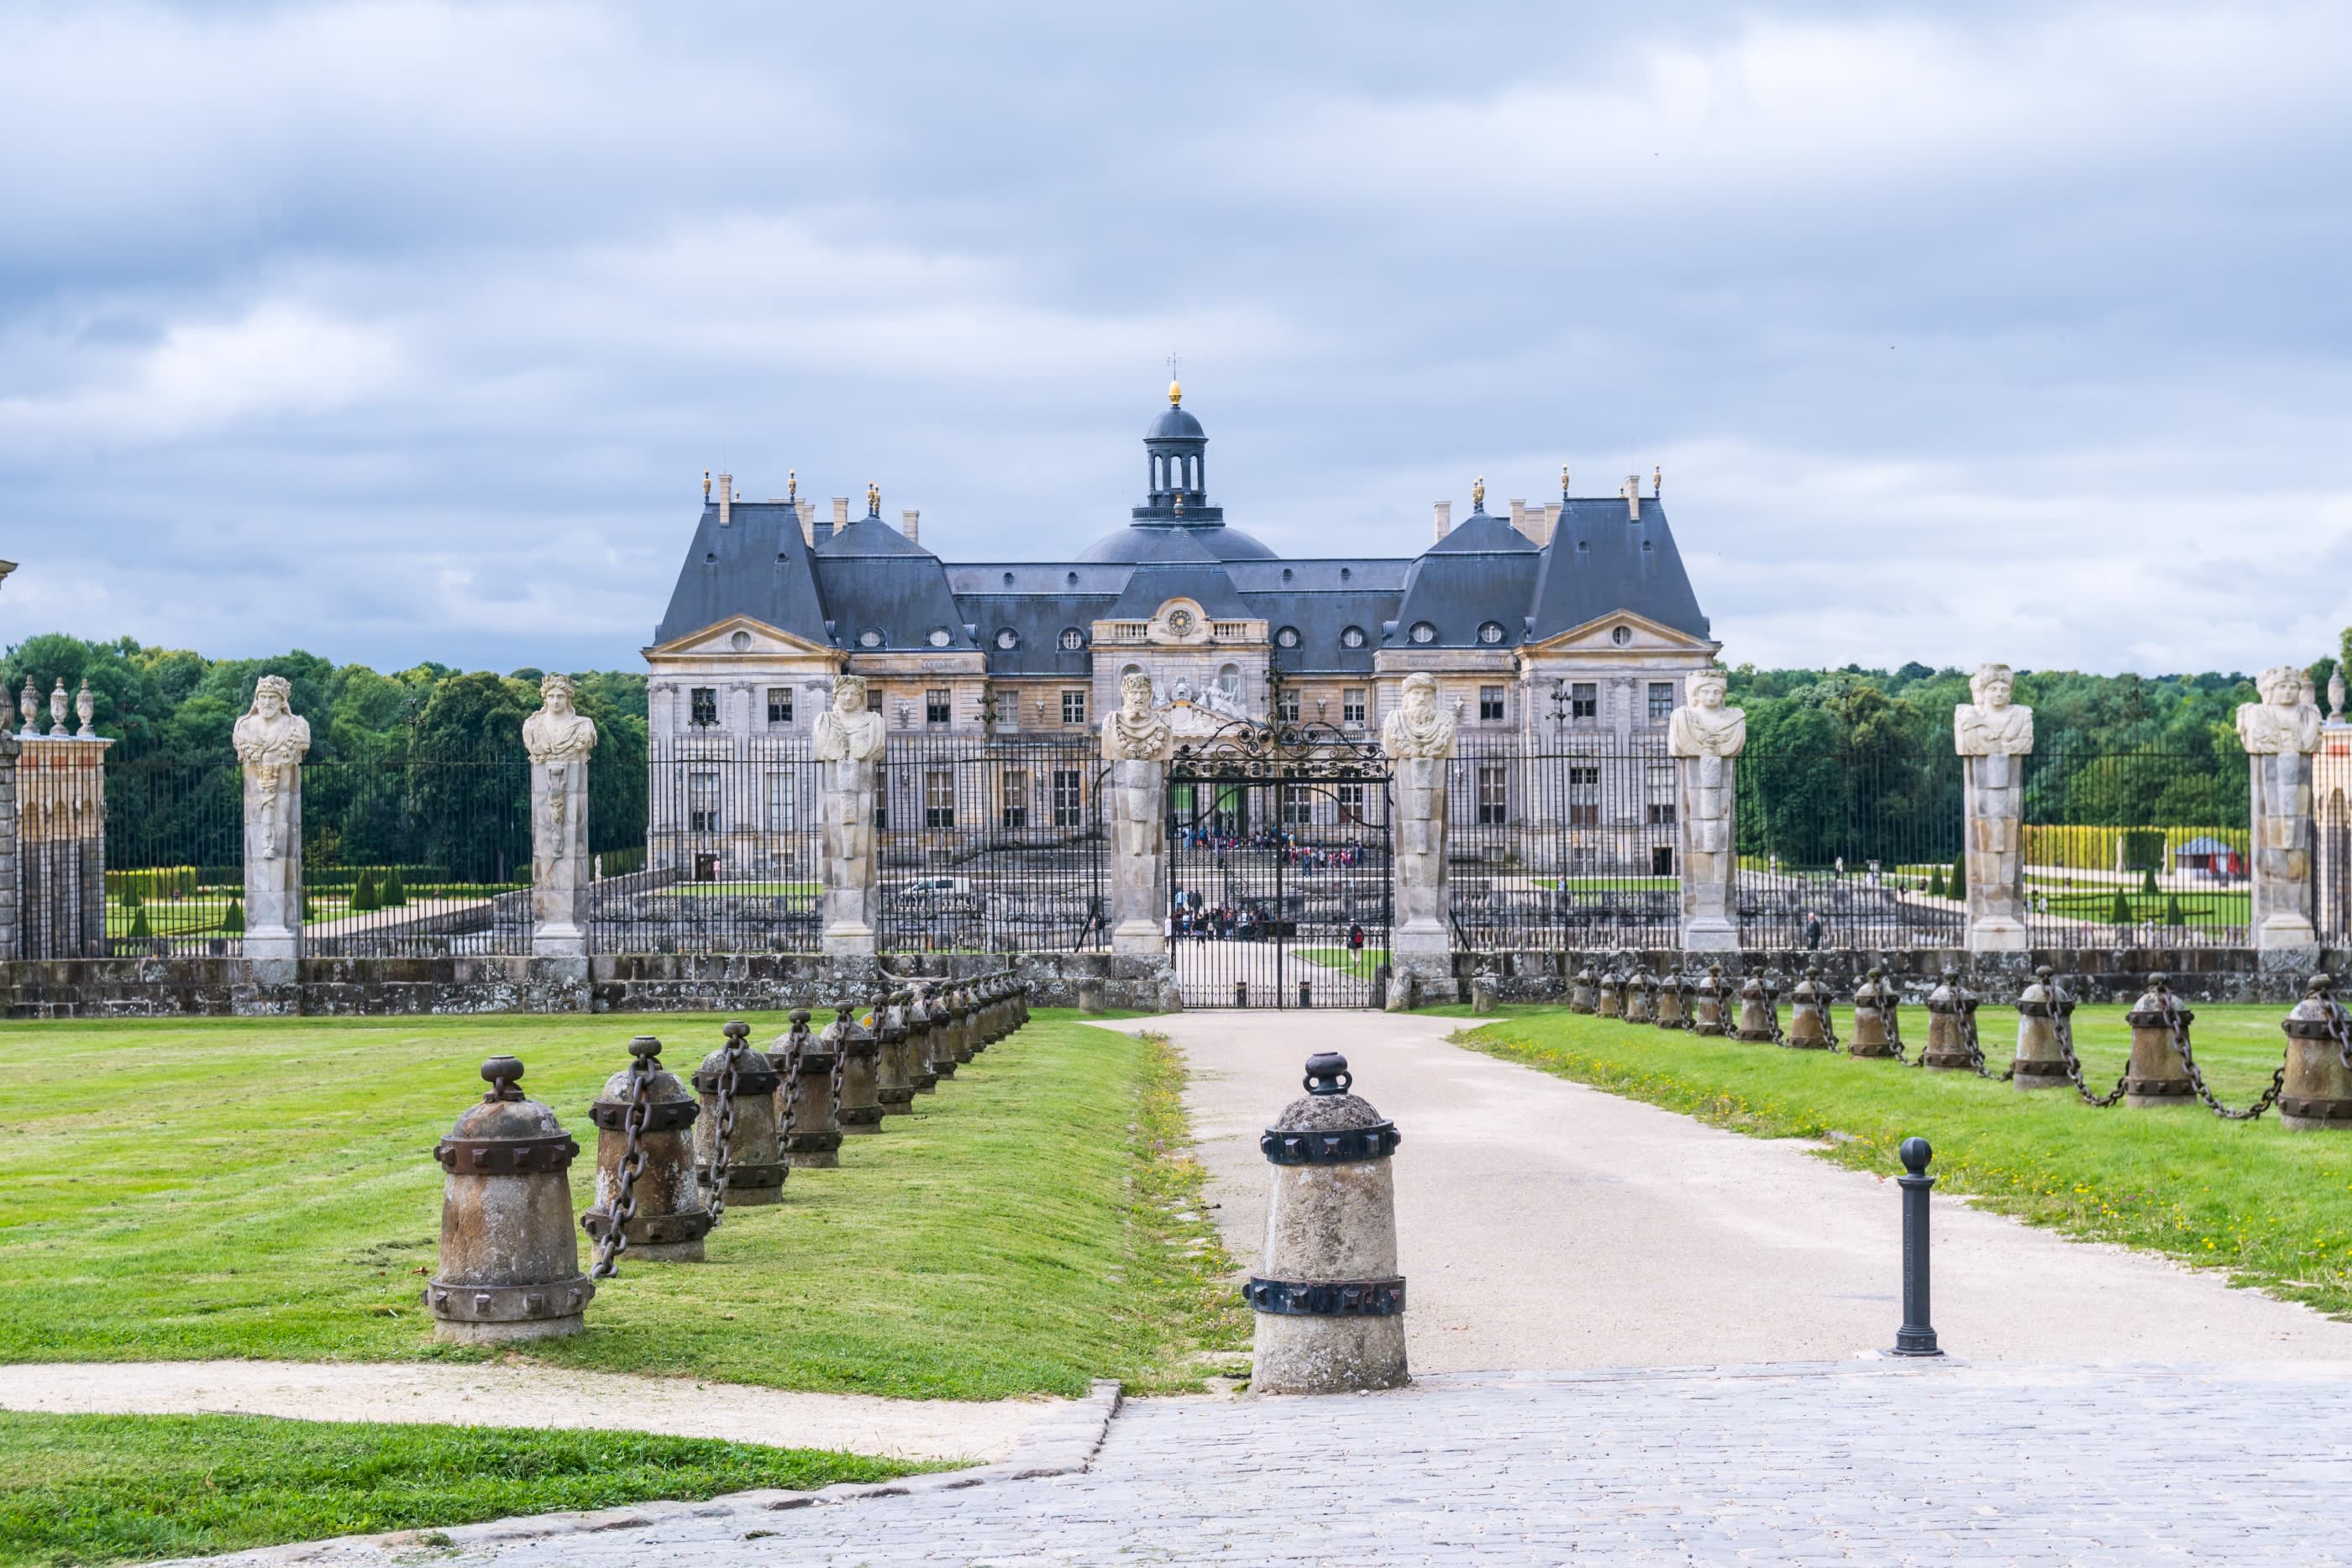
[
  {"x": 1705, "y": 739},
  {"x": 1993, "y": 737}
]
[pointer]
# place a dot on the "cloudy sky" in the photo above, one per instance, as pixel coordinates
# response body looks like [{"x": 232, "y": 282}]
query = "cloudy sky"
[{"x": 400, "y": 331}]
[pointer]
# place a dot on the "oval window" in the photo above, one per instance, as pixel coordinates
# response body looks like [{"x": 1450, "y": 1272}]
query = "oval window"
[
  {"x": 870, "y": 638},
  {"x": 1423, "y": 631},
  {"x": 1008, "y": 639},
  {"x": 1353, "y": 637},
  {"x": 1286, "y": 638},
  {"x": 1492, "y": 631},
  {"x": 939, "y": 637},
  {"x": 1072, "y": 639},
  {"x": 1622, "y": 635},
  {"x": 740, "y": 641}
]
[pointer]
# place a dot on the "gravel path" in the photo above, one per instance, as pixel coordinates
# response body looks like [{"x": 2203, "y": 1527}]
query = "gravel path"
[{"x": 523, "y": 1395}]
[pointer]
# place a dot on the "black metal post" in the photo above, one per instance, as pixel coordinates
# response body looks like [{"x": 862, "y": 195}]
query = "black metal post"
[{"x": 1918, "y": 1335}]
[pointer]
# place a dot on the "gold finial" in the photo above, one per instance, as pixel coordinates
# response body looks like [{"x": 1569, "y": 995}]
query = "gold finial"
[
  {"x": 1658, "y": 479},
  {"x": 1478, "y": 494},
  {"x": 1179, "y": 503},
  {"x": 1175, "y": 395},
  {"x": 872, "y": 499},
  {"x": 1563, "y": 481},
  {"x": 793, "y": 484},
  {"x": 706, "y": 486}
]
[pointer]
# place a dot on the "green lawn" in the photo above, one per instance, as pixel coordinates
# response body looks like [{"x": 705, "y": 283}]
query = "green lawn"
[
  {"x": 264, "y": 1188},
  {"x": 2272, "y": 1207},
  {"x": 101, "y": 1489}
]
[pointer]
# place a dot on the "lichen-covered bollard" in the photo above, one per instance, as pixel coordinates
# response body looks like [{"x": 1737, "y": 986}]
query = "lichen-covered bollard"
[
  {"x": 1020, "y": 1003},
  {"x": 1640, "y": 991},
  {"x": 1000, "y": 1014},
  {"x": 974, "y": 1036},
  {"x": 1328, "y": 1298},
  {"x": 2039, "y": 1063},
  {"x": 947, "y": 1035},
  {"x": 755, "y": 1159},
  {"x": 1482, "y": 993},
  {"x": 1874, "y": 1013},
  {"x": 1584, "y": 992},
  {"x": 1947, "y": 1016},
  {"x": 665, "y": 1219},
  {"x": 893, "y": 1020},
  {"x": 922, "y": 1041},
  {"x": 1609, "y": 1002},
  {"x": 2158, "y": 1075},
  {"x": 2318, "y": 1094},
  {"x": 1809, "y": 1014},
  {"x": 1759, "y": 1014},
  {"x": 1670, "y": 1008},
  {"x": 859, "y": 1108},
  {"x": 510, "y": 1263},
  {"x": 1706, "y": 1003},
  {"x": 808, "y": 1084}
]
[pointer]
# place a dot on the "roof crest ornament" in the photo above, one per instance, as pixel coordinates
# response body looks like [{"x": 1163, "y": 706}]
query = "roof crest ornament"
[
  {"x": 792, "y": 486},
  {"x": 872, "y": 499},
  {"x": 1563, "y": 481},
  {"x": 1478, "y": 494},
  {"x": 1175, "y": 388}
]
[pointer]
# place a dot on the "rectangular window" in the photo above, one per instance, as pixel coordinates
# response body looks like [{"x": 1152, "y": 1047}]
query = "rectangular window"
[
  {"x": 873, "y": 699},
  {"x": 938, "y": 797},
  {"x": 1584, "y": 796},
  {"x": 703, "y": 706},
  {"x": 1494, "y": 794},
  {"x": 1286, "y": 706},
  {"x": 1584, "y": 700},
  {"x": 1352, "y": 705},
  {"x": 1662, "y": 701},
  {"x": 1015, "y": 808},
  {"x": 1352, "y": 802},
  {"x": 936, "y": 709},
  {"x": 1297, "y": 806},
  {"x": 780, "y": 706},
  {"x": 1490, "y": 705},
  {"x": 702, "y": 802},
  {"x": 1074, "y": 707},
  {"x": 1659, "y": 784},
  {"x": 1069, "y": 798},
  {"x": 782, "y": 799}
]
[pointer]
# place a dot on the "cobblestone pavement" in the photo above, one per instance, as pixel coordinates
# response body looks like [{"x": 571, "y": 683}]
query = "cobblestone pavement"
[{"x": 1859, "y": 1463}]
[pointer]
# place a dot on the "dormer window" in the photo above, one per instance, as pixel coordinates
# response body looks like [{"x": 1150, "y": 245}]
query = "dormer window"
[
  {"x": 1423, "y": 631},
  {"x": 1353, "y": 637},
  {"x": 1072, "y": 639},
  {"x": 1491, "y": 633},
  {"x": 939, "y": 637},
  {"x": 1008, "y": 639},
  {"x": 870, "y": 638},
  {"x": 1286, "y": 638}
]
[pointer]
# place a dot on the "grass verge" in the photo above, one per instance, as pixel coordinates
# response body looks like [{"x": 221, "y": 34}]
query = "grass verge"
[
  {"x": 101, "y": 1489},
  {"x": 2272, "y": 1207},
  {"x": 181, "y": 1189}
]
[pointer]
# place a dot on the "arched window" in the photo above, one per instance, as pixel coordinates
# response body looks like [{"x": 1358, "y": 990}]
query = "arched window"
[{"x": 1156, "y": 483}]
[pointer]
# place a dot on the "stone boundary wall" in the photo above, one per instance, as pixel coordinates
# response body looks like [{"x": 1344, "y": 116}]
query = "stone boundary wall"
[
  {"x": 242, "y": 987},
  {"x": 2109, "y": 974}
]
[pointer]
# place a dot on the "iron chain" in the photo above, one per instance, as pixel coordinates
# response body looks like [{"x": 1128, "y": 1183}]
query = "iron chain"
[
  {"x": 2179, "y": 1027},
  {"x": 2062, "y": 1028},
  {"x": 1969, "y": 1039},
  {"x": 625, "y": 1172},
  {"x": 730, "y": 1064}
]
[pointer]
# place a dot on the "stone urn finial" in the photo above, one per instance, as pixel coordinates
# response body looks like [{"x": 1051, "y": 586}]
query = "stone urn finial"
[
  {"x": 30, "y": 706},
  {"x": 86, "y": 710},
  {"x": 57, "y": 701}
]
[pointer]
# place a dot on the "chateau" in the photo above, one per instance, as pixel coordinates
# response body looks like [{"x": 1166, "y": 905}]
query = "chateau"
[{"x": 1560, "y": 619}]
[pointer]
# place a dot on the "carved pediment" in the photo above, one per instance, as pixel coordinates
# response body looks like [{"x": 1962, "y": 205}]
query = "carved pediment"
[
  {"x": 1640, "y": 636},
  {"x": 742, "y": 637}
]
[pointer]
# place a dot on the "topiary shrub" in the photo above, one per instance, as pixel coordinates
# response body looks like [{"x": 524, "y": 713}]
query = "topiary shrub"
[
  {"x": 130, "y": 899},
  {"x": 140, "y": 930},
  {"x": 234, "y": 921},
  {"x": 365, "y": 897},
  {"x": 1936, "y": 882},
  {"x": 2172, "y": 913},
  {"x": 2147, "y": 887},
  {"x": 395, "y": 893},
  {"x": 2121, "y": 914}
]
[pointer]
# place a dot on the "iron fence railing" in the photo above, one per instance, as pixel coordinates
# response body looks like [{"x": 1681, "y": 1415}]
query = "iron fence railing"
[
  {"x": 2136, "y": 849},
  {"x": 730, "y": 861},
  {"x": 417, "y": 856},
  {"x": 991, "y": 845},
  {"x": 1847, "y": 849},
  {"x": 174, "y": 878},
  {"x": 1571, "y": 845}
]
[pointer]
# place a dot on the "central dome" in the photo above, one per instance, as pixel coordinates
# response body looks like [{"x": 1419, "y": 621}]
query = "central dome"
[{"x": 1188, "y": 541}]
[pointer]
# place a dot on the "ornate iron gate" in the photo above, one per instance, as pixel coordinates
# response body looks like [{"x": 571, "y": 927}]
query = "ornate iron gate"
[{"x": 1278, "y": 867}]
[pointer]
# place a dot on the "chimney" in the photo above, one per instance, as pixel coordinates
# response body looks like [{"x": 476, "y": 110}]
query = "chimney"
[
  {"x": 840, "y": 513},
  {"x": 910, "y": 523},
  {"x": 1550, "y": 521},
  {"x": 1632, "y": 494},
  {"x": 1520, "y": 519},
  {"x": 726, "y": 499},
  {"x": 1444, "y": 519},
  {"x": 805, "y": 512}
]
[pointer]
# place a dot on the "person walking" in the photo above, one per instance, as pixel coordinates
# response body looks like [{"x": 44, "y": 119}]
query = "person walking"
[{"x": 1813, "y": 932}]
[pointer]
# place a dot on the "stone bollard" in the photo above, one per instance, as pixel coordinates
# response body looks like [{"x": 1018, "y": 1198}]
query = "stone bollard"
[
  {"x": 2039, "y": 1062},
  {"x": 1020, "y": 1004},
  {"x": 1949, "y": 1011},
  {"x": 1640, "y": 991},
  {"x": 894, "y": 1085},
  {"x": 1241, "y": 993},
  {"x": 1584, "y": 992},
  {"x": 1090, "y": 996},
  {"x": 1809, "y": 1014},
  {"x": 755, "y": 1158},
  {"x": 663, "y": 1218},
  {"x": 1670, "y": 1008},
  {"x": 977, "y": 1028},
  {"x": 2318, "y": 1094},
  {"x": 2158, "y": 1075},
  {"x": 1307, "y": 996},
  {"x": 1609, "y": 1000},
  {"x": 1482, "y": 993},
  {"x": 859, "y": 1107},
  {"x": 1329, "y": 1301},
  {"x": 949, "y": 1049},
  {"x": 808, "y": 1073},
  {"x": 509, "y": 1264},
  {"x": 1759, "y": 1012},
  {"x": 1873, "y": 1014},
  {"x": 919, "y": 1039},
  {"x": 1706, "y": 1003}
]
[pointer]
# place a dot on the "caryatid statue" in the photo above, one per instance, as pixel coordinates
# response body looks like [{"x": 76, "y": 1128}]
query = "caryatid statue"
[
  {"x": 847, "y": 741},
  {"x": 1992, "y": 736},
  {"x": 1419, "y": 739},
  {"x": 271, "y": 741},
  {"x": 1705, "y": 739},
  {"x": 2279, "y": 733},
  {"x": 559, "y": 737},
  {"x": 1137, "y": 743}
]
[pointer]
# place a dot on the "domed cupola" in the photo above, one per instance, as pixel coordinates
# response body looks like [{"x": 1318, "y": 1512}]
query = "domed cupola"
[{"x": 1176, "y": 454}]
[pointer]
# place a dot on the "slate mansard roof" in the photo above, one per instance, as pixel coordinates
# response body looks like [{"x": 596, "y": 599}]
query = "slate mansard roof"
[{"x": 870, "y": 588}]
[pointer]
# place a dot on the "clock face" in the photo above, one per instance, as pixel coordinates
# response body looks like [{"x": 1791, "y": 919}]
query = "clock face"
[{"x": 1180, "y": 621}]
